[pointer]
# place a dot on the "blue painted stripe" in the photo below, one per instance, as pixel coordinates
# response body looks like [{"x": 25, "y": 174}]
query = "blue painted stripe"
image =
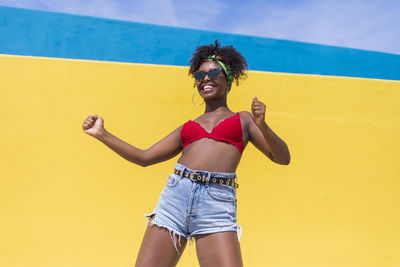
[{"x": 48, "y": 34}]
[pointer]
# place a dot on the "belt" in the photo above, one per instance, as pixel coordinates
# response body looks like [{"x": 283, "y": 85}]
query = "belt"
[{"x": 199, "y": 178}]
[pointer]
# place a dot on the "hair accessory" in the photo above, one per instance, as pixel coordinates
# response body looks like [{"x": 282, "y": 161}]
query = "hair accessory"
[{"x": 227, "y": 69}]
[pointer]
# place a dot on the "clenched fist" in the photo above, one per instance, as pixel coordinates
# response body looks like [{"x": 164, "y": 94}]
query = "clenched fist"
[
  {"x": 93, "y": 125},
  {"x": 258, "y": 111}
]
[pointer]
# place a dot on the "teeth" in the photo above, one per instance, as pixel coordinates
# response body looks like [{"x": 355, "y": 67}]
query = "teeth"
[{"x": 208, "y": 87}]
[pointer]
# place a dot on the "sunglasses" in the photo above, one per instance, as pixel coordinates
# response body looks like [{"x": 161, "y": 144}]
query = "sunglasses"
[{"x": 199, "y": 75}]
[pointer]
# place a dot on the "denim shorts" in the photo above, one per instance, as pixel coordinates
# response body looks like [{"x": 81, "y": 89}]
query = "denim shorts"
[{"x": 187, "y": 208}]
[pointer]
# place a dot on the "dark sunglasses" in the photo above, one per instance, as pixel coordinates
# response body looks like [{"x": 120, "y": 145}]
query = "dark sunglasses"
[{"x": 199, "y": 75}]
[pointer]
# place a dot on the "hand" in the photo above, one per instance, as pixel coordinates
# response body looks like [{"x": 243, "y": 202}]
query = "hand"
[
  {"x": 258, "y": 111},
  {"x": 93, "y": 125}
]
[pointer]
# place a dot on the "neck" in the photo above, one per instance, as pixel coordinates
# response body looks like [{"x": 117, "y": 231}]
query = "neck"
[{"x": 215, "y": 104}]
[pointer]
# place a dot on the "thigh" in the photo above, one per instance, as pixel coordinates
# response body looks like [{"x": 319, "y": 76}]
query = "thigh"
[
  {"x": 157, "y": 249},
  {"x": 218, "y": 249}
]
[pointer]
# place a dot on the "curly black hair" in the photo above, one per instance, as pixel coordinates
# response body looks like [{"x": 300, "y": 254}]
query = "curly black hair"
[{"x": 231, "y": 57}]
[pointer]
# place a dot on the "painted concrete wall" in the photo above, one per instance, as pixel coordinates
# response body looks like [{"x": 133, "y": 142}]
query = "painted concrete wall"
[{"x": 67, "y": 200}]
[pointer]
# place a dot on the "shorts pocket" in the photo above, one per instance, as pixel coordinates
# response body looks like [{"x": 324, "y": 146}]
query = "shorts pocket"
[
  {"x": 173, "y": 180},
  {"x": 222, "y": 192}
]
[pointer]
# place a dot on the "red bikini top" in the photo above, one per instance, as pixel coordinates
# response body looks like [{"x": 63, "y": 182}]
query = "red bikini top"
[{"x": 229, "y": 130}]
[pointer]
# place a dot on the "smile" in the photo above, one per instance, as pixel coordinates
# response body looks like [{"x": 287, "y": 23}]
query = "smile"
[{"x": 208, "y": 88}]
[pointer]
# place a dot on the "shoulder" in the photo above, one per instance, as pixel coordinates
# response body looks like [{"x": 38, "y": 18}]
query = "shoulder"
[
  {"x": 245, "y": 116},
  {"x": 244, "y": 113},
  {"x": 183, "y": 126}
]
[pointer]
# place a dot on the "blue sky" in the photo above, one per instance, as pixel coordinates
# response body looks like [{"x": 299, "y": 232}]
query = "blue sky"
[{"x": 364, "y": 24}]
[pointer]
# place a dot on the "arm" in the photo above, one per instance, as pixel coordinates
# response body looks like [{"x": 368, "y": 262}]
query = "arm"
[
  {"x": 262, "y": 136},
  {"x": 165, "y": 149}
]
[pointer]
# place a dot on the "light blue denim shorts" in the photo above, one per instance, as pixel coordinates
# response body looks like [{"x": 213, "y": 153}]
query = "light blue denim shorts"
[{"x": 187, "y": 208}]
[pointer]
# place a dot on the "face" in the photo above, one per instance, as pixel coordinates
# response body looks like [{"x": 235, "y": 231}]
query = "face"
[{"x": 212, "y": 88}]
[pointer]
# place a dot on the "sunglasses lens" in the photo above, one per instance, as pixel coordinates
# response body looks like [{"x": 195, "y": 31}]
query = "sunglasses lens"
[
  {"x": 199, "y": 75},
  {"x": 214, "y": 73}
]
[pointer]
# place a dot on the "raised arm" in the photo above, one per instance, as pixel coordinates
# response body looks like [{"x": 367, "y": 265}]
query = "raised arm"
[
  {"x": 165, "y": 149},
  {"x": 262, "y": 136}
]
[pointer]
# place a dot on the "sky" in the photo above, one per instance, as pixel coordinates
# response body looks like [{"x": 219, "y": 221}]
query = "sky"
[{"x": 363, "y": 24}]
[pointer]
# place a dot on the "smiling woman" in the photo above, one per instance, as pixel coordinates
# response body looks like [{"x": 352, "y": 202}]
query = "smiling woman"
[
  {"x": 199, "y": 198},
  {"x": 228, "y": 58}
]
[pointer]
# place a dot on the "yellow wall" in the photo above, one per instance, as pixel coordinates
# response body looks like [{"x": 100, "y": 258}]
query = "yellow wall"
[{"x": 68, "y": 200}]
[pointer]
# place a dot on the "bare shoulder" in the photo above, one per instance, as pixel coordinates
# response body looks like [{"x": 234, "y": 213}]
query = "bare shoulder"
[
  {"x": 245, "y": 114},
  {"x": 245, "y": 117},
  {"x": 179, "y": 129}
]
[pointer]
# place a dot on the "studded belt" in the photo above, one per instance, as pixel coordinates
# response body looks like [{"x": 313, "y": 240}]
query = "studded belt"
[{"x": 201, "y": 178}]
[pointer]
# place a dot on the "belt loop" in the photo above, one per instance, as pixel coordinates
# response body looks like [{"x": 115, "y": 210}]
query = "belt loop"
[
  {"x": 208, "y": 178},
  {"x": 182, "y": 171}
]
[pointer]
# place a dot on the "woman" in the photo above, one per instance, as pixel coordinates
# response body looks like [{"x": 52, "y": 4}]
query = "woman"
[{"x": 199, "y": 199}]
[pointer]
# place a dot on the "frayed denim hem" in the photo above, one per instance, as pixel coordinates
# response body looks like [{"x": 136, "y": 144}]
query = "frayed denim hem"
[
  {"x": 175, "y": 236},
  {"x": 239, "y": 231}
]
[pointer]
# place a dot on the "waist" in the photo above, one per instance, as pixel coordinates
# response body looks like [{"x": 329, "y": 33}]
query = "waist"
[
  {"x": 203, "y": 176},
  {"x": 206, "y": 156},
  {"x": 182, "y": 166}
]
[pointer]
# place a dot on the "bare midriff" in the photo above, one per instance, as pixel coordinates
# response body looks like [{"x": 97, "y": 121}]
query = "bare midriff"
[{"x": 211, "y": 155}]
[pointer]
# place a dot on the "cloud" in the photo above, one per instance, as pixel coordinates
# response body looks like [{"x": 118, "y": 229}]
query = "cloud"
[
  {"x": 203, "y": 14},
  {"x": 371, "y": 25},
  {"x": 151, "y": 11}
]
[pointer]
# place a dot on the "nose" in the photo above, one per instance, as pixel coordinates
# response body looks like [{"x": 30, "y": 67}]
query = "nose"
[{"x": 206, "y": 76}]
